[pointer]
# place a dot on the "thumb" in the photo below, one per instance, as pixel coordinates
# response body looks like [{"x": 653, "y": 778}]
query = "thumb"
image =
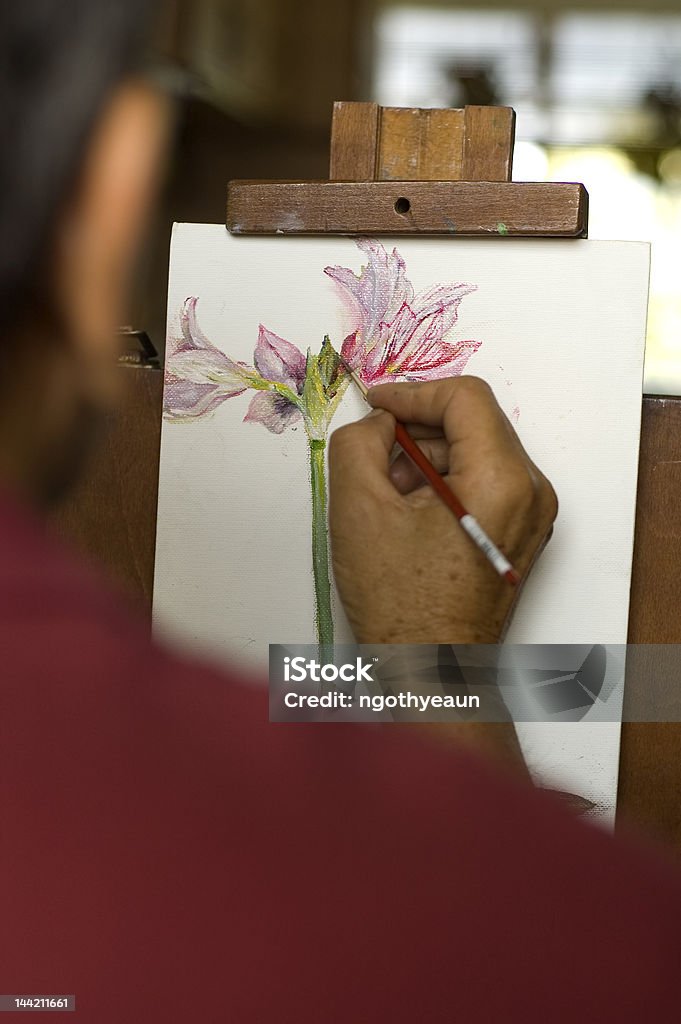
[{"x": 359, "y": 453}]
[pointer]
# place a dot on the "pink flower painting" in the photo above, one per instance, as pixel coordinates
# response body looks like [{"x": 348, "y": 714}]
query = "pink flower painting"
[
  {"x": 396, "y": 335},
  {"x": 200, "y": 377}
]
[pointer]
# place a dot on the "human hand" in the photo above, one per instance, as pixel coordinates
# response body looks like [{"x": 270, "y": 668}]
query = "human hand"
[{"x": 405, "y": 570}]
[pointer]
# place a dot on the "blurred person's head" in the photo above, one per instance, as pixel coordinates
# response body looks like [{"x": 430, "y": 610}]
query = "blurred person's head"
[{"x": 82, "y": 139}]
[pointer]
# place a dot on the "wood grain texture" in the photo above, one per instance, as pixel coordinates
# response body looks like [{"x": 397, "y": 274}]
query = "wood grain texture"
[
  {"x": 489, "y": 140},
  {"x": 111, "y": 516},
  {"x": 369, "y": 142},
  {"x": 464, "y": 209},
  {"x": 354, "y": 141},
  {"x": 420, "y": 145},
  {"x": 650, "y": 761}
]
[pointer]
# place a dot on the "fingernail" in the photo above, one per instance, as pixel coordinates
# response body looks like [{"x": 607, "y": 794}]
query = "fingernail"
[{"x": 398, "y": 473}]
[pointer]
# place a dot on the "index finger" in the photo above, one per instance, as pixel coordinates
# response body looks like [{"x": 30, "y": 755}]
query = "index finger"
[{"x": 463, "y": 407}]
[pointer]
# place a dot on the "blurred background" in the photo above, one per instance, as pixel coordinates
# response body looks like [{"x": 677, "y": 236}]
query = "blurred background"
[{"x": 596, "y": 86}]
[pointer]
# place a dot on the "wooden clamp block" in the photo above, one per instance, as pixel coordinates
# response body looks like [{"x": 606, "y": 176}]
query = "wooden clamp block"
[{"x": 404, "y": 171}]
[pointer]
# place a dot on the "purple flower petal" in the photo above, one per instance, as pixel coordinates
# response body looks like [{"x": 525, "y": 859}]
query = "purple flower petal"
[
  {"x": 279, "y": 361},
  {"x": 186, "y": 400},
  {"x": 206, "y": 367},
  {"x": 451, "y": 361},
  {"x": 398, "y": 333},
  {"x": 199, "y": 376},
  {"x": 442, "y": 302},
  {"x": 191, "y": 332},
  {"x": 272, "y": 410},
  {"x": 379, "y": 292},
  {"x": 416, "y": 336},
  {"x": 193, "y": 338}
]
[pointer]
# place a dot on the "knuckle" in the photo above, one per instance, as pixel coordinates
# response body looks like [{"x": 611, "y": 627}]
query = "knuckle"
[
  {"x": 521, "y": 489},
  {"x": 510, "y": 482},
  {"x": 548, "y": 501},
  {"x": 522, "y": 492},
  {"x": 473, "y": 387},
  {"x": 532, "y": 497}
]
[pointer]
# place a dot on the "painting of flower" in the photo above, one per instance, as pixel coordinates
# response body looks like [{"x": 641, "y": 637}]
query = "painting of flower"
[
  {"x": 242, "y": 555},
  {"x": 396, "y": 334}
]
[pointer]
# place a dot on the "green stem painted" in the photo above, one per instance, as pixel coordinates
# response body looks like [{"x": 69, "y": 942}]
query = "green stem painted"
[{"x": 320, "y": 543}]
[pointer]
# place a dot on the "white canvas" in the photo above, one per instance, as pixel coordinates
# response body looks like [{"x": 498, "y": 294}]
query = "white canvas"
[{"x": 559, "y": 330}]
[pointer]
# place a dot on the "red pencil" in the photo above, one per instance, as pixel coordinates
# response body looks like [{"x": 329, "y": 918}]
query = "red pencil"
[{"x": 469, "y": 523}]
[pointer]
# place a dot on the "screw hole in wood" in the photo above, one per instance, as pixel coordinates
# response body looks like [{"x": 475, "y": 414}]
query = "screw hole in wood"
[{"x": 402, "y": 206}]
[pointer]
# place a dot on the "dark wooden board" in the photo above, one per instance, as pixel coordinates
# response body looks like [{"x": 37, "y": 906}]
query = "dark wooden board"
[
  {"x": 650, "y": 762},
  {"x": 111, "y": 516},
  {"x": 454, "y": 208}
]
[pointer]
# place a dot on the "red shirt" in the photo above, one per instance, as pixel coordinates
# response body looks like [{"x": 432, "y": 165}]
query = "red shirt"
[{"x": 168, "y": 855}]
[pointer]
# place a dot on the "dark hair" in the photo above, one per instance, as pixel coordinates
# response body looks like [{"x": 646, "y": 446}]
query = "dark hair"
[{"x": 59, "y": 59}]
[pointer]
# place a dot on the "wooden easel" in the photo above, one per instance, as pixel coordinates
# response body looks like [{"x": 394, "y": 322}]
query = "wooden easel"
[
  {"x": 408, "y": 171},
  {"x": 402, "y": 171}
]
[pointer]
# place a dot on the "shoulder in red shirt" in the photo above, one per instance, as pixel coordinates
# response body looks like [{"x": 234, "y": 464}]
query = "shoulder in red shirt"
[{"x": 168, "y": 855}]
